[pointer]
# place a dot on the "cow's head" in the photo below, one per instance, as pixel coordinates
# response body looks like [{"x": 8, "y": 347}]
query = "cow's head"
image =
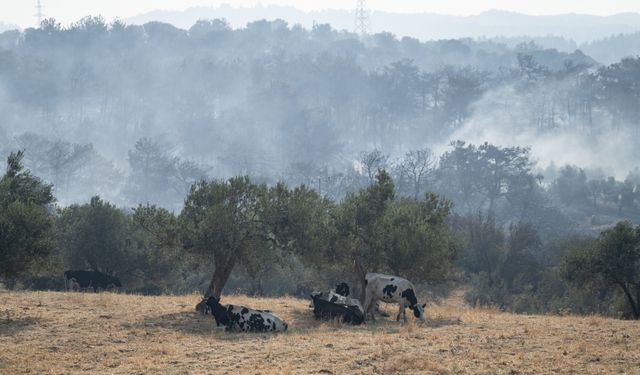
[
  {"x": 218, "y": 311},
  {"x": 343, "y": 289},
  {"x": 418, "y": 310},
  {"x": 202, "y": 307},
  {"x": 313, "y": 296}
]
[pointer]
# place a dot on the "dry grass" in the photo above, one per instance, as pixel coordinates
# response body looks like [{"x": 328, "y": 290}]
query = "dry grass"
[{"x": 62, "y": 333}]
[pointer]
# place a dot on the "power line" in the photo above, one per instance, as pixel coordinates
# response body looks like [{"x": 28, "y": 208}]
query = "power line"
[{"x": 363, "y": 18}]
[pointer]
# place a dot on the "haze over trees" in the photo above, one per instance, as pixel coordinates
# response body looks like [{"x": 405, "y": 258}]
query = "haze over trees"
[{"x": 273, "y": 158}]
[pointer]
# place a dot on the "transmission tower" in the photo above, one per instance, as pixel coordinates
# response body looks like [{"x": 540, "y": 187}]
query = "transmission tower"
[
  {"x": 39, "y": 14},
  {"x": 363, "y": 18}
]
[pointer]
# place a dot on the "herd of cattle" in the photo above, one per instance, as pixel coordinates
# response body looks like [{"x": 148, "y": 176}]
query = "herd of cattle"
[{"x": 334, "y": 304}]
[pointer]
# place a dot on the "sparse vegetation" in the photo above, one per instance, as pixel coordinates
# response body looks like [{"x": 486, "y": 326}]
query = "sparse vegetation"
[{"x": 125, "y": 334}]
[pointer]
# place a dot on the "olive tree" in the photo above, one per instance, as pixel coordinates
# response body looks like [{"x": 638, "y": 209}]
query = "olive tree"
[
  {"x": 26, "y": 222},
  {"x": 613, "y": 260}
]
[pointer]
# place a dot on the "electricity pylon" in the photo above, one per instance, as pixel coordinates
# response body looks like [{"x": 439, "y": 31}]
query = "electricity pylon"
[{"x": 363, "y": 18}]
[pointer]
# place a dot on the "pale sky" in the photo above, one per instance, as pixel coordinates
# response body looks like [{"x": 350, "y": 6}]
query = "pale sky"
[{"x": 21, "y": 12}]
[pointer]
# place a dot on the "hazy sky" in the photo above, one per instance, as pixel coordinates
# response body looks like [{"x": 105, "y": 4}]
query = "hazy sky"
[{"x": 21, "y": 12}]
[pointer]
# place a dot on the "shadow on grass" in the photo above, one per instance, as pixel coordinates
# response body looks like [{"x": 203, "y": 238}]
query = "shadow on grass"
[
  {"x": 9, "y": 327},
  {"x": 194, "y": 323},
  {"x": 300, "y": 321}
]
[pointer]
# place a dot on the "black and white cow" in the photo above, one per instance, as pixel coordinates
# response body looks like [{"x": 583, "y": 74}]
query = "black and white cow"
[
  {"x": 244, "y": 319},
  {"x": 343, "y": 289},
  {"x": 339, "y": 295},
  {"x": 391, "y": 289},
  {"x": 76, "y": 280},
  {"x": 331, "y": 309}
]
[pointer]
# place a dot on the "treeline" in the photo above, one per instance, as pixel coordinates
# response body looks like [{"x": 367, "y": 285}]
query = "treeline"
[
  {"x": 271, "y": 239},
  {"x": 502, "y": 181},
  {"x": 265, "y": 232},
  {"x": 316, "y": 98}
]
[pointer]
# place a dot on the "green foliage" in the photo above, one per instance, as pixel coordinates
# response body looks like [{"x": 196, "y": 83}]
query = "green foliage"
[
  {"x": 229, "y": 223},
  {"x": 484, "y": 245},
  {"x": 25, "y": 219},
  {"x": 614, "y": 260},
  {"x": 416, "y": 239},
  {"x": 155, "y": 255},
  {"x": 358, "y": 245},
  {"x": 94, "y": 235}
]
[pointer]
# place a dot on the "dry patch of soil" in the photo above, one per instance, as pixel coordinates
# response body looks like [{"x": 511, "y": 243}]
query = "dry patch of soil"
[{"x": 62, "y": 333}]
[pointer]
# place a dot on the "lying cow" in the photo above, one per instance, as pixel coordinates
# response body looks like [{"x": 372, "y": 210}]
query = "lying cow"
[
  {"x": 331, "y": 308},
  {"x": 343, "y": 289},
  {"x": 391, "y": 289},
  {"x": 244, "y": 319},
  {"x": 339, "y": 295},
  {"x": 76, "y": 280}
]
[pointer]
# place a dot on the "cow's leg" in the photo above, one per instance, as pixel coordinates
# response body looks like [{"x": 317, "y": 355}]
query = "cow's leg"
[
  {"x": 369, "y": 303},
  {"x": 401, "y": 311}
]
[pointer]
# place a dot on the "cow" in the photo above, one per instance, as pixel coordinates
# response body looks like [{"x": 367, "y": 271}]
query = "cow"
[
  {"x": 343, "y": 289},
  {"x": 331, "y": 308},
  {"x": 72, "y": 284},
  {"x": 244, "y": 319},
  {"x": 90, "y": 279},
  {"x": 339, "y": 294},
  {"x": 391, "y": 289}
]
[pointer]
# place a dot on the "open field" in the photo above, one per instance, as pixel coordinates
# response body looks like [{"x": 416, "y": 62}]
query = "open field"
[{"x": 60, "y": 333}]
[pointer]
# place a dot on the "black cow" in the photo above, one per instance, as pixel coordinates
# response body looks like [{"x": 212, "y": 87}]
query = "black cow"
[
  {"x": 244, "y": 319},
  {"x": 90, "y": 279},
  {"x": 324, "y": 309}
]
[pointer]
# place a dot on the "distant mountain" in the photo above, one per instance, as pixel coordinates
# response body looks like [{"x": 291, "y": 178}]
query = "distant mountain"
[{"x": 425, "y": 26}]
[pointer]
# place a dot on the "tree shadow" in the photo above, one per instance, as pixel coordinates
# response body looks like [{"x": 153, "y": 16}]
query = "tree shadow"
[
  {"x": 300, "y": 321},
  {"x": 9, "y": 327},
  {"x": 194, "y": 323}
]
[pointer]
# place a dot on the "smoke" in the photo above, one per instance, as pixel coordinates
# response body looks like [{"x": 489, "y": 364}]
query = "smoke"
[{"x": 507, "y": 118}]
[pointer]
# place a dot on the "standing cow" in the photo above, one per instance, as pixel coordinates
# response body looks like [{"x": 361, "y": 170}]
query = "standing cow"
[
  {"x": 244, "y": 319},
  {"x": 90, "y": 279},
  {"x": 391, "y": 289}
]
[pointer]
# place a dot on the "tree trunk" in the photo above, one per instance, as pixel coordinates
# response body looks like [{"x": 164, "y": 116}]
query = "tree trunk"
[
  {"x": 634, "y": 305},
  {"x": 219, "y": 280},
  {"x": 361, "y": 273}
]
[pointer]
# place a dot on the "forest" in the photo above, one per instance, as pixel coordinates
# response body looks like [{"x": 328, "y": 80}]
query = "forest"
[{"x": 279, "y": 158}]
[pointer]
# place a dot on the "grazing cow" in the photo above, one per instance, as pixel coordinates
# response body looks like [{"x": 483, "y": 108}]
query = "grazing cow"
[
  {"x": 331, "y": 309},
  {"x": 90, "y": 279},
  {"x": 391, "y": 289},
  {"x": 244, "y": 319}
]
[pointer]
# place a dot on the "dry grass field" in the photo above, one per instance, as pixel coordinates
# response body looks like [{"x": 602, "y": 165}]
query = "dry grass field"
[{"x": 63, "y": 333}]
